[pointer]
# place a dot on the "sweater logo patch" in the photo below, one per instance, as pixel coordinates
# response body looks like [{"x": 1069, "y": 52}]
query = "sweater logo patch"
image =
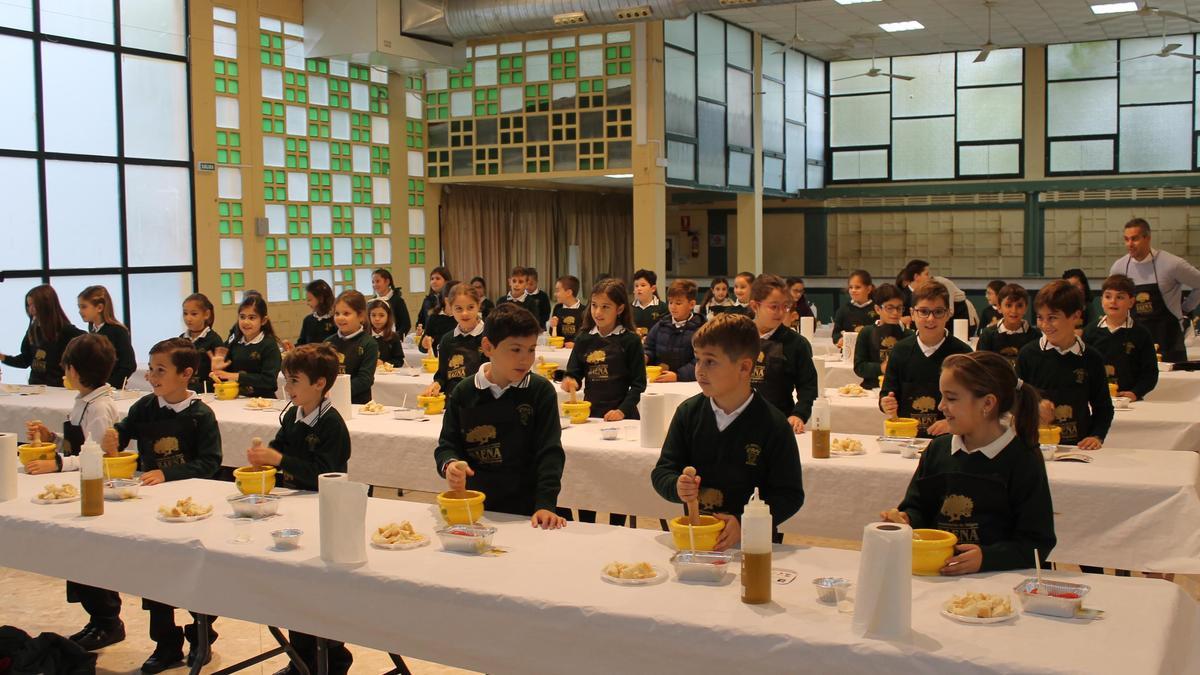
[
  {"x": 39, "y": 360},
  {"x": 486, "y": 454},
  {"x": 482, "y": 434},
  {"x": 924, "y": 404},
  {"x": 760, "y": 369},
  {"x": 168, "y": 445},
  {"x": 595, "y": 357},
  {"x": 312, "y": 440},
  {"x": 1128, "y": 347},
  {"x": 752, "y": 452},
  {"x": 1110, "y": 371},
  {"x": 568, "y": 320},
  {"x": 887, "y": 343},
  {"x": 1064, "y": 417},
  {"x": 1142, "y": 304},
  {"x": 711, "y": 499},
  {"x": 525, "y": 411},
  {"x": 1010, "y": 352},
  {"x": 957, "y": 507},
  {"x": 456, "y": 361},
  {"x": 1080, "y": 375}
]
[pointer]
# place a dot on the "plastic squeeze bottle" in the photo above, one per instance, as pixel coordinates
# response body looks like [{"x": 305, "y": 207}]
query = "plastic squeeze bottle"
[
  {"x": 91, "y": 479},
  {"x": 756, "y": 551},
  {"x": 819, "y": 424}
]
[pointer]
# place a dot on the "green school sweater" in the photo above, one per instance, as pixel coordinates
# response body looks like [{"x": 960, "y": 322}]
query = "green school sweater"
[
  {"x": 1007, "y": 345},
  {"x": 1129, "y": 357},
  {"x": 191, "y": 450},
  {"x": 620, "y": 361},
  {"x": 42, "y": 357},
  {"x": 258, "y": 366},
  {"x": 570, "y": 321},
  {"x": 850, "y": 317},
  {"x": 204, "y": 345},
  {"x": 644, "y": 318},
  {"x": 391, "y": 350},
  {"x": 512, "y": 443},
  {"x": 875, "y": 343},
  {"x": 756, "y": 450},
  {"x": 913, "y": 378},
  {"x": 123, "y": 344},
  {"x": 1075, "y": 383},
  {"x": 358, "y": 356},
  {"x": 785, "y": 365},
  {"x": 314, "y": 330},
  {"x": 1001, "y": 505},
  {"x": 459, "y": 358},
  {"x": 309, "y": 451}
]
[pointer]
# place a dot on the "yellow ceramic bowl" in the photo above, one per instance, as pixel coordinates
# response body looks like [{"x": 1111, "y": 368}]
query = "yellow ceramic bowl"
[
  {"x": 226, "y": 391},
  {"x": 1049, "y": 435},
  {"x": 121, "y": 466},
  {"x": 254, "y": 480},
  {"x": 429, "y": 364},
  {"x": 706, "y": 533},
  {"x": 68, "y": 384},
  {"x": 930, "y": 550},
  {"x": 546, "y": 369},
  {"x": 556, "y": 341},
  {"x": 900, "y": 427},
  {"x": 30, "y": 452},
  {"x": 457, "y": 511},
  {"x": 1112, "y": 390},
  {"x": 652, "y": 373},
  {"x": 578, "y": 412},
  {"x": 432, "y": 405}
]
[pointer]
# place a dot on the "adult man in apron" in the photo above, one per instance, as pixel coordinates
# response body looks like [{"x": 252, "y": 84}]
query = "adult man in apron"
[{"x": 1158, "y": 279}]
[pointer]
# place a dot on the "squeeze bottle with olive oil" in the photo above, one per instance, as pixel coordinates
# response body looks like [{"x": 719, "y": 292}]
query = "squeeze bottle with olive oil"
[
  {"x": 756, "y": 551},
  {"x": 91, "y": 479}
]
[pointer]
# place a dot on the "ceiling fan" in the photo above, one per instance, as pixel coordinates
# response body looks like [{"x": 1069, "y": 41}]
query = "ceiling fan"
[
  {"x": 798, "y": 42},
  {"x": 874, "y": 71},
  {"x": 1145, "y": 11},
  {"x": 1167, "y": 50},
  {"x": 988, "y": 47}
]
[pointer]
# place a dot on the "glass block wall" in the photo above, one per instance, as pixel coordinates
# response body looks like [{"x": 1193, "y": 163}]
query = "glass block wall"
[
  {"x": 536, "y": 105},
  {"x": 95, "y": 160},
  {"x": 320, "y": 170}
]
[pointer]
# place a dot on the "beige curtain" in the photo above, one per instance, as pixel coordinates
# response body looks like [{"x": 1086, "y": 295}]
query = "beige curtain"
[{"x": 487, "y": 231}]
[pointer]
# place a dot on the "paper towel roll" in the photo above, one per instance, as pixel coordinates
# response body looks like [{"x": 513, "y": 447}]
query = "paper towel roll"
[
  {"x": 343, "y": 515},
  {"x": 819, "y": 364},
  {"x": 961, "y": 329},
  {"x": 339, "y": 396},
  {"x": 849, "y": 343},
  {"x": 808, "y": 325},
  {"x": 8, "y": 467},
  {"x": 654, "y": 414},
  {"x": 883, "y": 595}
]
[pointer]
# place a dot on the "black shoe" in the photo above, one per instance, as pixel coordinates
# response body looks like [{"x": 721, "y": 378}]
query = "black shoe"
[
  {"x": 94, "y": 637},
  {"x": 160, "y": 661},
  {"x": 191, "y": 656}
]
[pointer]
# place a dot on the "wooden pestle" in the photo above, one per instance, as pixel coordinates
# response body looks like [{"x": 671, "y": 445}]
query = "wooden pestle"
[
  {"x": 693, "y": 507},
  {"x": 461, "y": 494}
]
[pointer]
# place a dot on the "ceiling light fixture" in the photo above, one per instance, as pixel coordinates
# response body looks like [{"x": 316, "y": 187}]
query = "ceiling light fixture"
[
  {"x": 854, "y": 2},
  {"x": 1115, "y": 8},
  {"x": 618, "y": 175},
  {"x": 899, "y": 26}
]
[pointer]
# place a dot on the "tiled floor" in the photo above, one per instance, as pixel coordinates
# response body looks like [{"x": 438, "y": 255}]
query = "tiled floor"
[{"x": 35, "y": 604}]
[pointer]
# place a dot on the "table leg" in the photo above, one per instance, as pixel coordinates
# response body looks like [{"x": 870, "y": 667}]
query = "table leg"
[
  {"x": 202, "y": 647},
  {"x": 322, "y": 656}
]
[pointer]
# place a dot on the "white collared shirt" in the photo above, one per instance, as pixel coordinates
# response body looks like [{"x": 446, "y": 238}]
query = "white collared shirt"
[
  {"x": 868, "y": 303},
  {"x": 767, "y": 335},
  {"x": 350, "y": 336},
  {"x": 311, "y": 418},
  {"x": 178, "y": 407},
  {"x": 574, "y": 306},
  {"x": 95, "y": 414},
  {"x": 257, "y": 339},
  {"x": 520, "y": 299},
  {"x": 653, "y": 303},
  {"x": 990, "y": 450},
  {"x": 724, "y": 419},
  {"x": 926, "y": 349},
  {"x": 482, "y": 382},
  {"x": 616, "y": 331},
  {"x": 475, "y": 332},
  {"x": 385, "y": 298},
  {"x": 1075, "y": 348},
  {"x": 739, "y": 303},
  {"x": 1103, "y": 323},
  {"x": 1001, "y": 328},
  {"x": 322, "y": 317},
  {"x": 204, "y": 332},
  {"x": 375, "y": 334}
]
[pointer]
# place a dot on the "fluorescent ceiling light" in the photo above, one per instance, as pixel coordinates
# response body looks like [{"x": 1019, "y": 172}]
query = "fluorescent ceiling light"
[
  {"x": 618, "y": 175},
  {"x": 1115, "y": 8},
  {"x": 854, "y": 2},
  {"x": 901, "y": 26}
]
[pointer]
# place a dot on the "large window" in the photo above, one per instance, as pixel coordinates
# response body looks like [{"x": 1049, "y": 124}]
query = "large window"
[
  {"x": 95, "y": 159},
  {"x": 1106, "y": 114},
  {"x": 954, "y": 119},
  {"x": 710, "y": 94}
]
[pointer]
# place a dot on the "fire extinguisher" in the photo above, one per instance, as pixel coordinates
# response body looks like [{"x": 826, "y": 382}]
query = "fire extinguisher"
[{"x": 695, "y": 246}]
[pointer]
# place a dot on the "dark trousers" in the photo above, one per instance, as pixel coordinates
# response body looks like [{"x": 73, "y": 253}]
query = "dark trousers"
[
  {"x": 615, "y": 519},
  {"x": 167, "y": 635},
  {"x": 103, "y": 606},
  {"x": 305, "y": 645}
]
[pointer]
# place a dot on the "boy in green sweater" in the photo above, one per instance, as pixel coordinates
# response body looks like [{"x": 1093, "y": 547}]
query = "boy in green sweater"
[
  {"x": 500, "y": 434},
  {"x": 312, "y": 440},
  {"x": 1130, "y": 360},
  {"x": 1011, "y": 332},
  {"x": 736, "y": 440},
  {"x": 177, "y": 438},
  {"x": 985, "y": 481},
  {"x": 647, "y": 308},
  {"x": 1069, "y": 375},
  {"x": 875, "y": 341},
  {"x": 910, "y": 384},
  {"x": 567, "y": 317}
]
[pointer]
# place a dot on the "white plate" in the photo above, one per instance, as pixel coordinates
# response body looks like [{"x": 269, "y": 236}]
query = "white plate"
[
  {"x": 360, "y": 411},
  {"x": 66, "y": 500},
  {"x": 862, "y": 395},
  {"x": 977, "y": 620},
  {"x": 258, "y": 409},
  {"x": 402, "y": 546},
  {"x": 183, "y": 519},
  {"x": 659, "y": 575},
  {"x": 853, "y": 453}
]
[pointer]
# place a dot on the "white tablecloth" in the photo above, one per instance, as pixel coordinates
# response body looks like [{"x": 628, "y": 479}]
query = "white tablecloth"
[
  {"x": 1130, "y": 509},
  {"x": 527, "y": 611}
]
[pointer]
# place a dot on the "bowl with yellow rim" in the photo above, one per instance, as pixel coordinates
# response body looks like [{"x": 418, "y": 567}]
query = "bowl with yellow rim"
[
  {"x": 578, "y": 411},
  {"x": 32, "y": 452},
  {"x": 458, "y": 509},
  {"x": 546, "y": 368},
  {"x": 556, "y": 341},
  {"x": 255, "y": 480},
  {"x": 705, "y": 534},
  {"x": 122, "y": 465},
  {"x": 653, "y": 372},
  {"x": 930, "y": 551},
  {"x": 900, "y": 427},
  {"x": 429, "y": 364},
  {"x": 1049, "y": 435},
  {"x": 432, "y": 405},
  {"x": 225, "y": 391}
]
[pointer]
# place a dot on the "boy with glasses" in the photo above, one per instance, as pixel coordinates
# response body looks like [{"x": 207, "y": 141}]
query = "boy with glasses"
[{"x": 875, "y": 342}]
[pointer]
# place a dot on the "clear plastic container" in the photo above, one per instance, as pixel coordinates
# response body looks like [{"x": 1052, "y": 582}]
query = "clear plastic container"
[
  {"x": 120, "y": 489},
  {"x": 475, "y": 539},
  {"x": 254, "y": 506},
  {"x": 1053, "y": 598},
  {"x": 701, "y": 566}
]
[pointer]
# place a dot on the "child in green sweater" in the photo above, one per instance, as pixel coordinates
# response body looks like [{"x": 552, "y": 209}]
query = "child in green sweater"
[
  {"x": 1130, "y": 360},
  {"x": 861, "y": 311},
  {"x": 567, "y": 317},
  {"x": 785, "y": 360},
  {"x": 358, "y": 353},
  {"x": 608, "y": 358},
  {"x": 1069, "y": 375},
  {"x": 1012, "y": 331},
  {"x": 252, "y": 358},
  {"x": 198, "y": 315},
  {"x": 875, "y": 341},
  {"x": 500, "y": 434},
  {"x": 460, "y": 352},
  {"x": 736, "y": 440},
  {"x": 647, "y": 308},
  {"x": 910, "y": 383},
  {"x": 986, "y": 483}
]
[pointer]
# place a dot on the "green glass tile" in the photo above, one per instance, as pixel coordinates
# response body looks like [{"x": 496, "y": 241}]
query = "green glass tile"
[
  {"x": 421, "y": 258},
  {"x": 316, "y": 260},
  {"x": 304, "y": 228},
  {"x": 377, "y": 228},
  {"x": 480, "y": 94},
  {"x": 233, "y": 69},
  {"x": 268, "y": 194},
  {"x": 358, "y": 259},
  {"x": 223, "y": 227},
  {"x": 235, "y": 139},
  {"x": 312, "y": 65},
  {"x": 556, "y": 58},
  {"x": 585, "y": 87},
  {"x": 302, "y": 79},
  {"x": 223, "y": 208},
  {"x": 412, "y": 258},
  {"x": 610, "y": 68},
  {"x": 313, "y": 129},
  {"x": 626, "y": 51},
  {"x": 278, "y": 109},
  {"x": 283, "y": 260},
  {"x": 585, "y": 164},
  {"x": 237, "y": 227},
  {"x": 222, "y": 138},
  {"x": 493, "y": 108},
  {"x": 597, "y": 85},
  {"x": 571, "y": 56},
  {"x": 314, "y": 195},
  {"x": 626, "y": 67},
  {"x": 323, "y": 67},
  {"x": 293, "y": 227},
  {"x": 226, "y": 298},
  {"x": 421, "y": 198},
  {"x": 235, "y": 156},
  {"x": 268, "y": 176},
  {"x": 323, "y": 114},
  {"x": 294, "y": 294},
  {"x": 505, "y": 78},
  {"x": 531, "y": 90},
  {"x": 270, "y": 262},
  {"x": 443, "y": 98},
  {"x": 480, "y": 110},
  {"x": 226, "y": 279},
  {"x": 303, "y": 162},
  {"x": 280, "y": 177},
  {"x": 610, "y": 53},
  {"x": 289, "y": 77},
  {"x": 412, "y": 199},
  {"x": 493, "y": 94},
  {"x": 270, "y": 245},
  {"x": 264, "y": 40},
  {"x": 518, "y": 62},
  {"x": 219, "y": 67},
  {"x": 277, "y": 60},
  {"x": 264, "y": 57},
  {"x": 571, "y": 72},
  {"x": 301, "y": 96},
  {"x": 348, "y": 275},
  {"x": 280, "y": 194},
  {"x": 289, "y": 95},
  {"x": 556, "y": 73},
  {"x": 233, "y": 86},
  {"x": 544, "y": 90},
  {"x": 276, "y": 42},
  {"x": 219, "y": 85},
  {"x": 277, "y": 126},
  {"x": 443, "y": 113},
  {"x": 239, "y": 279},
  {"x": 223, "y": 156},
  {"x": 237, "y": 209},
  {"x": 518, "y": 77}
]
